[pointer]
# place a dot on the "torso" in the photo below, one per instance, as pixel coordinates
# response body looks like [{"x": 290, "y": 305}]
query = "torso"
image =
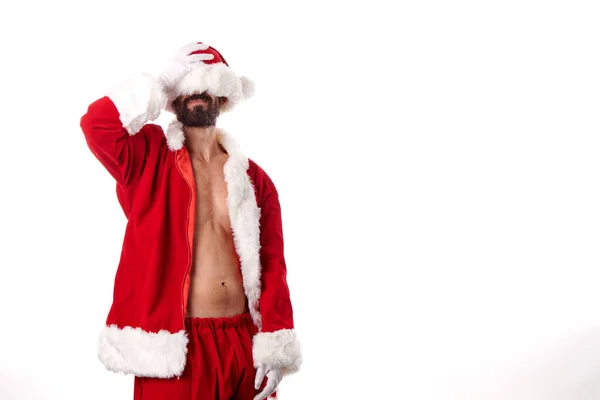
[{"x": 216, "y": 288}]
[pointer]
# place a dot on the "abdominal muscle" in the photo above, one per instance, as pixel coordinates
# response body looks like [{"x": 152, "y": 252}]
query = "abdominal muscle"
[{"x": 216, "y": 287}]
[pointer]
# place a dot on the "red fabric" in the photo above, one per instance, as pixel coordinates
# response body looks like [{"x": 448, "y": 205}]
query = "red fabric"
[
  {"x": 219, "y": 364},
  {"x": 275, "y": 303},
  {"x": 218, "y": 57},
  {"x": 155, "y": 188},
  {"x": 155, "y": 197}
]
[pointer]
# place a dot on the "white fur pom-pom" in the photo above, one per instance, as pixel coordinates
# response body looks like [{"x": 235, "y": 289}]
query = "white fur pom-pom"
[
  {"x": 247, "y": 87},
  {"x": 223, "y": 82}
]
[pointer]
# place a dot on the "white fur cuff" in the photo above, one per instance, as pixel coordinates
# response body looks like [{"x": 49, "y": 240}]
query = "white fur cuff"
[
  {"x": 138, "y": 100},
  {"x": 279, "y": 349}
]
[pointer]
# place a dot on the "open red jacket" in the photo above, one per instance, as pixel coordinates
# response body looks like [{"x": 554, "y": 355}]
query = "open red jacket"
[{"x": 144, "y": 333}]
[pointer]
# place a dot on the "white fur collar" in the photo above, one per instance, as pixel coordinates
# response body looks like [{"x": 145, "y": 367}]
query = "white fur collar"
[{"x": 176, "y": 138}]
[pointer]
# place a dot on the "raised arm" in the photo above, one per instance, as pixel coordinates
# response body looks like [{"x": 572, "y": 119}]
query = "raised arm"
[{"x": 114, "y": 124}]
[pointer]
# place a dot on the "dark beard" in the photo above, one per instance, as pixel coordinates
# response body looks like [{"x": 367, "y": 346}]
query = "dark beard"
[{"x": 197, "y": 117}]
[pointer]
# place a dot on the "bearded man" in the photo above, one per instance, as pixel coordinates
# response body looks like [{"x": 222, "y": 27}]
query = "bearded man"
[{"x": 201, "y": 307}]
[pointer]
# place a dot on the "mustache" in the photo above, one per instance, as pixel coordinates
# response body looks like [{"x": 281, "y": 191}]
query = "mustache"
[{"x": 202, "y": 96}]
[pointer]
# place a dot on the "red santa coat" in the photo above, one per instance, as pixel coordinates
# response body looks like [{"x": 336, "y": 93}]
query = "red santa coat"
[{"x": 144, "y": 333}]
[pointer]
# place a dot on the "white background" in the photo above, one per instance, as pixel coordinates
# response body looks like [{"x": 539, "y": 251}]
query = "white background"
[{"x": 438, "y": 169}]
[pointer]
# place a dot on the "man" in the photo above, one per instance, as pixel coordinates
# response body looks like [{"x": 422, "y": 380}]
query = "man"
[{"x": 201, "y": 307}]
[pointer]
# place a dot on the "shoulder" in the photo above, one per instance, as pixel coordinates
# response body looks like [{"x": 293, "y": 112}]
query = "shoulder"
[
  {"x": 263, "y": 183},
  {"x": 153, "y": 130},
  {"x": 101, "y": 112},
  {"x": 259, "y": 174},
  {"x": 149, "y": 140},
  {"x": 152, "y": 134}
]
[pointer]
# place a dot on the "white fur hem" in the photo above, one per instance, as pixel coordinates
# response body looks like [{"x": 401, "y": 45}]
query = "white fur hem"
[
  {"x": 279, "y": 349},
  {"x": 135, "y": 351},
  {"x": 138, "y": 101}
]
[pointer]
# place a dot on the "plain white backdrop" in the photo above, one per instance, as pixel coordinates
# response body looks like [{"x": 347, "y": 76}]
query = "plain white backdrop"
[{"x": 438, "y": 166}]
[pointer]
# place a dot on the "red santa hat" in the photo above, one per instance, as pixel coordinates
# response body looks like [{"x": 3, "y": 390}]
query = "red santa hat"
[{"x": 216, "y": 77}]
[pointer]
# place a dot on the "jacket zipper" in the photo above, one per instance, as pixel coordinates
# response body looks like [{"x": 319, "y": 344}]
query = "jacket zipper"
[{"x": 182, "y": 156}]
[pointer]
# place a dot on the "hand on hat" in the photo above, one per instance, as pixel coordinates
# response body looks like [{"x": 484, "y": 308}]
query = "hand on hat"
[
  {"x": 181, "y": 64},
  {"x": 274, "y": 375}
]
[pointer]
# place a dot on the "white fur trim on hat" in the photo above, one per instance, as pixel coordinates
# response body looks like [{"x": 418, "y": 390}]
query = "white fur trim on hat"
[{"x": 217, "y": 79}]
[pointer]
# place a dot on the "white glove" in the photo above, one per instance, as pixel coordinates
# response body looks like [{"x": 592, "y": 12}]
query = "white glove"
[
  {"x": 181, "y": 64},
  {"x": 274, "y": 376}
]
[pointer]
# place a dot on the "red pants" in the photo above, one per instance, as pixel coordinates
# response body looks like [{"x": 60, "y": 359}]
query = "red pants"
[{"x": 219, "y": 364}]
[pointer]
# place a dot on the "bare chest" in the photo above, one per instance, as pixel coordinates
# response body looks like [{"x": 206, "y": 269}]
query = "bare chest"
[{"x": 211, "y": 195}]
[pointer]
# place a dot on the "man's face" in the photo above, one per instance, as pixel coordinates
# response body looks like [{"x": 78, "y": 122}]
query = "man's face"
[{"x": 198, "y": 110}]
